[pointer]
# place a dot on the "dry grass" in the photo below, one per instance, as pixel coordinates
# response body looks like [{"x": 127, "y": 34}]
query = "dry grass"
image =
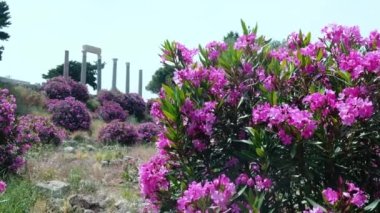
[{"x": 86, "y": 166}]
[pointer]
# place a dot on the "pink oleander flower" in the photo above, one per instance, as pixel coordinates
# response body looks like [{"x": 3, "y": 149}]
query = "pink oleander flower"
[
  {"x": 185, "y": 54},
  {"x": 348, "y": 36},
  {"x": 3, "y": 186},
  {"x": 214, "y": 78},
  {"x": 246, "y": 41},
  {"x": 162, "y": 142},
  {"x": 294, "y": 41},
  {"x": 214, "y": 49},
  {"x": 352, "y": 107},
  {"x": 285, "y": 138},
  {"x": 152, "y": 176},
  {"x": 212, "y": 194},
  {"x": 373, "y": 41},
  {"x": 356, "y": 195},
  {"x": 330, "y": 195},
  {"x": 7, "y": 111},
  {"x": 352, "y": 63},
  {"x": 314, "y": 210}
]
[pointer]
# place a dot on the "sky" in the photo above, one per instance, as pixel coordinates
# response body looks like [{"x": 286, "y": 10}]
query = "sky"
[{"x": 133, "y": 30}]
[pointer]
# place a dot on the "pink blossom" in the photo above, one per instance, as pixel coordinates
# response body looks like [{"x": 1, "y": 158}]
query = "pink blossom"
[
  {"x": 330, "y": 195},
  {"x": 3, "y": 186}
]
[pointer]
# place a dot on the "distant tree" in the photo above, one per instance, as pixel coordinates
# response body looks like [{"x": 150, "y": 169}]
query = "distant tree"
[
  {"x": 231, "y": 37},
  {"x": 162, "y": 76},
  {"x": 74, "y": 72},
  {"x": 4, "y": 22}
]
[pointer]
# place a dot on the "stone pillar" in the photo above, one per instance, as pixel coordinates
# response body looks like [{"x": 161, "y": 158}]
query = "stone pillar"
[
  {"x": 140, "y": 82},
  {"x": 99, "y": 77},
  {"x": 84, "y": 68},
  {"x": 66, "y": 65},
  {"x": 114, "y": 74},
  {"x": 127, "y": 79}
]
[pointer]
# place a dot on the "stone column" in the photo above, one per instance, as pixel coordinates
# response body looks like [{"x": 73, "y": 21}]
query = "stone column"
[
  {"x": 140, "y": 82},
  {"x": 114, "y": 74},
  {"x": 84, "y": 68},
  {"x": 66, "y": 65},
  {"x": 99, "y": 77},
  {"x": 127, "y": 79}
]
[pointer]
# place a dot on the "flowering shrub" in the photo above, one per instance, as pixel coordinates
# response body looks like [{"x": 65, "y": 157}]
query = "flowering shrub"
[
  {"x": 132, "y": 102},
  {"x": 120, "y": 132},
  {"x": 7, "y": 112},
  {"x": 148, "y": 131},
  {"x": 3, "y": 186},
  {"x": 37, "y": 129},
  {"x": 11, "y": 151},
  {"x": 70, "y": 114},
  {"x": 110, "y": 111},
  {"x": 61, "y": 88},
  {"x": 257, "y": 128}
]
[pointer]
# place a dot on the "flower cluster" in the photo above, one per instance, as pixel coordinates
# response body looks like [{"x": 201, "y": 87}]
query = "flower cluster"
[
  {"x": 212, "y": 194},
  {"x": 214, "y": 49},
  {"x": 281, "y": 117},
  {"x": 214, "y": 78},
  {"x": 120, "y": 132},
  {"x": 3, "y": 186},
  {"x": 70, "y": 114},
  {"x": 352, "y": 107},
  {"x": 7, "y": 111},
  {"x": 153, "y": 180},
  {"x": 61, "y": 88},
  {"x": 148, "y": 131},
  {"x": 246, "y": 41},
  {"x": 110, "y": 111},
  {"x": 33, "y": 129},
  {"x": 353, "y": 196},
  {"x": 199, "y": 122}
]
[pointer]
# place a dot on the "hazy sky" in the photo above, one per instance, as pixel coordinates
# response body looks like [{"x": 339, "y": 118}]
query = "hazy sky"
[{"x": 133, "y": 30}]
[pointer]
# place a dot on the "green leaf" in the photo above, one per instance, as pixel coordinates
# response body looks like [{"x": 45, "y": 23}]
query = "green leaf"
[
  {"x": 244, "y": 141},
  {"x": 244, "y": 27},
  {"x": 320, "y": 54},
  {"x": 372, "y": 206},
  {"x": 293, "y": 151},
  {"x": 169, "y": 115},
  {"x": 168, "y": 91}
]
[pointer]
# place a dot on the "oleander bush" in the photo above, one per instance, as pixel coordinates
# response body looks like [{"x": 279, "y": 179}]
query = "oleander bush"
[
  {"x": 253, "y": 128},
  {"x": 61, "y": 88},
  {"x": 110, "y": 111},
  {"x": 34, "y": 129},
  {"x": 11, "y": 151},
  {"x": 70, "y": 114},
  {"x": 149, "y": 131},
  {"x": 118, "y": 132},
  {"x": 131, "y": 102}
]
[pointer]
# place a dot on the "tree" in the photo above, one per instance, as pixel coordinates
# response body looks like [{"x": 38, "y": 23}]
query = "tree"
[
  {"x": 162, "y": 76},
  {"x": 231, "y": 37},
  {"x": 4, "y": 22},
  {"x": 74, "y": 72}
]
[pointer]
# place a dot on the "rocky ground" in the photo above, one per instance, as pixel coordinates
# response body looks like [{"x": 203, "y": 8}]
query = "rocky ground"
[{"x": 83, "y": 176}]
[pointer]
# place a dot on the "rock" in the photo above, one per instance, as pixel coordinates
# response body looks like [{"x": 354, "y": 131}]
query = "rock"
[
  {"x": 105, "y": 163},
  {"x": 56, "y": 204},
  {"x": 54, "y": 188},
  {"x": 69, "y": 149},
  {"x": 121, "y": 206},
  {"x": 90, "y": 148},
  {"x": 88, "y": 211},
  {"x": 87, "y": 202}
]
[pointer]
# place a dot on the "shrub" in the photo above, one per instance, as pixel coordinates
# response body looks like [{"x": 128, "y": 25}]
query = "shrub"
[
  {"x": 37, "y": 129},
  {"x": 114, "y": 95},
  {"x": 11, "y": 151},
  {"x": 149, "y": 131},
  {"x": 28, "y": 100},
  {"x": 110, "y": 111},
  {"x": 259, "y": 128},
  {"x": 70, "y": 114},
  {"x": 134, "y": 104},
  {"x": 61, "y": 88},
  {"x": 120, "y": 132}
]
